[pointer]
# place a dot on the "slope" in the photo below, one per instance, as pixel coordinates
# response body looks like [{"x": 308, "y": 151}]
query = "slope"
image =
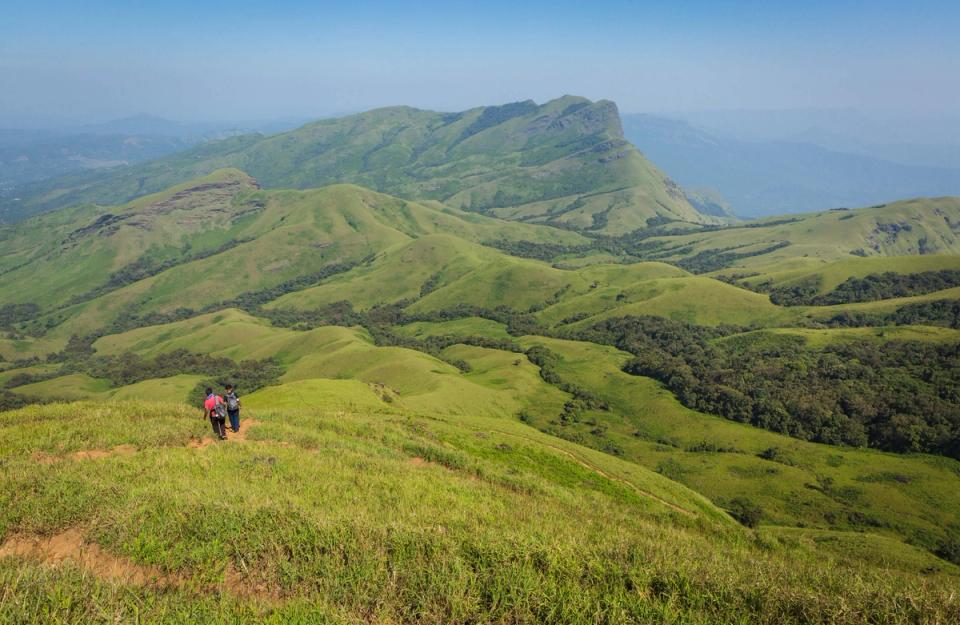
[
  {"x": 920, "y": 226},
  {"x": 402, "y": 377},
  {"x": 210, "y": 241},
  {"x": 393, "y": 518},
  {"x": 565, "y": 161}
]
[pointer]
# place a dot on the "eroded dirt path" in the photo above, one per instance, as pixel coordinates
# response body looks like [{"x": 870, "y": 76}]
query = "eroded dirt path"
[
  {"x": 236, "y": 437},
  {"x": 70, "y": 546},
  {"x": 43, "y": 457}
]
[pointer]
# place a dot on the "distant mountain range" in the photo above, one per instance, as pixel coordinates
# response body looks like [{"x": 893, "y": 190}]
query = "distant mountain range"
[
  {"x": 751, "y": 163},
  {"x": 563, "y": 163},
  {"x": 764, "y": 176},
  {"x": 32, "y": 155}
]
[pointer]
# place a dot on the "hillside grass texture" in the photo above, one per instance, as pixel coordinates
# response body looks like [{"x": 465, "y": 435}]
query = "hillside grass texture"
[{"x": 315, "y": 516}]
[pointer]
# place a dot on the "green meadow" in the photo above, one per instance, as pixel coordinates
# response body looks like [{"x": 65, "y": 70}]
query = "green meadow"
[{"x": 387, "y": 516}]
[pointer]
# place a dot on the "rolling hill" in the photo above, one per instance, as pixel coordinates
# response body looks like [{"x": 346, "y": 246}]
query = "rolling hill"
[
  {"x": 494, "y": 418},
  {"x": 563, "y": 162}
]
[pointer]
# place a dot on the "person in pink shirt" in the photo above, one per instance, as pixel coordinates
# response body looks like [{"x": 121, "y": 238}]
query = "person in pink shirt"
[{"x": 215, "y": 408}]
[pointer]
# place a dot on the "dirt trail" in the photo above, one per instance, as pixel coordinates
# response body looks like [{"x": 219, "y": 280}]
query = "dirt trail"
[
  {"x": 70, "y": 546},
  {"x": 245, "y": 426},
  {"x": 127, "y": 450},
  {"x": 238, "y": 437},
  {"x": 119, "y": 450},
  {"x": 419, "y": 462}
]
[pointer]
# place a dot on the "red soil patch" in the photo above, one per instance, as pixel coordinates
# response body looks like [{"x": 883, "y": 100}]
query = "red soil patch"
[
  {"x": 69, "y": 546},
  {"x": 119, "y": 450},
  {"x": 42, "y": 457},
  {"x": 240, "y": 584},
  {"x": 87, "y": 454},
  {"x": 417, "y": 461},
  {"x": 240, "y": 437}
]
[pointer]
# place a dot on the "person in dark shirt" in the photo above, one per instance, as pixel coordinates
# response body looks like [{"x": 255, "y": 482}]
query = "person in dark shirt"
[{"x": 233, "y": 407}]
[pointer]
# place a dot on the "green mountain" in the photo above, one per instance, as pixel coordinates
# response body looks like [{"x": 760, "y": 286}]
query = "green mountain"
[
  {"x": 493, "y": 418},
  {"x": 564, "y": 162}
]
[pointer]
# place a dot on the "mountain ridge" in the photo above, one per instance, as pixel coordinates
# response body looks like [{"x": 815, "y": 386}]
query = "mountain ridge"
[{"x": 564, "y": 162}]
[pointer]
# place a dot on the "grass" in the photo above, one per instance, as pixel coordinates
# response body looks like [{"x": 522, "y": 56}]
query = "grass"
[
  {"x": 323, "y": 517},
  {"x": 421, "y": 382},
  {"x": 820, "y": 338},
  {"x": 809, "y": 485},
  {"x": 278, "y": 236},
  {"x": 69, "y": 387},
  {"x": 879, "y": 306},
  {"x": 829, "y": 241},
  {"x": 348, "y": 395},
  {"x": 384, "y": 485},
  {"x": 694, "y": 299},
  {"x": 833, "y": 274},
  {"x": 468, "y": 326},
  {"x": 76, "y": 386}
]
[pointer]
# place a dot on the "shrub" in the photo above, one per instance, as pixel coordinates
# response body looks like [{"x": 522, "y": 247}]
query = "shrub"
[{"x": 745, "y": 511}]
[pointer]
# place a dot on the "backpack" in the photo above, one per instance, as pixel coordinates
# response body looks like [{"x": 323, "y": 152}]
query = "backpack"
[
  {"x": 220, "y": 410},
  {"x": 233, "y": 402}
]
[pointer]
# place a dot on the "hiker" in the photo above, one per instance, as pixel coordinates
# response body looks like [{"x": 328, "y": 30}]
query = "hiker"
[
  {"x": 215, "y": 408},
  {"x": 233, "y": 407}
]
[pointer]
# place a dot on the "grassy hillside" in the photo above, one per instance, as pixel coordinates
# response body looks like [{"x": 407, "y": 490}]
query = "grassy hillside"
[
  {"x": 912, "y": 227},
  {"x": 829, "y": 275},
  {"x": 215, "y": 240},
  {"x": 642, "y": 422},
  {"x": 432, "y": 394},
  {"x": 498, "y": 383},
  {"x": 336, "y": 517},
  {"x": 565, "y": 161},
  {"x": 68, "y": 254},
  {"x": 802, "y": 484},
  {"x": 694, "y": 299}
]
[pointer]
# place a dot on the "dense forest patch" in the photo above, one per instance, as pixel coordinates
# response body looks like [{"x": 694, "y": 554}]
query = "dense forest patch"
[
  {"x": 877, "y": 286},
  {"x": 901, "y": 396}
]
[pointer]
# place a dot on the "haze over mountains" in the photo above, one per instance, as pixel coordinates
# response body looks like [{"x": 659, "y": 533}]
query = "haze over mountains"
[
  {"x": 32, "y": 154},
  {"x": 768, "y": 164},
  {"x": 746, "y": 162}
]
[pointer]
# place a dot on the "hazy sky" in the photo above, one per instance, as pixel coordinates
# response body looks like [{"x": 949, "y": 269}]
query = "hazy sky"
[{"x": 94, "y": 60}]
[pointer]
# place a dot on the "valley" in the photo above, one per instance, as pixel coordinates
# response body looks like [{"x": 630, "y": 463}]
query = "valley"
[{"x": 501, "y": 370}]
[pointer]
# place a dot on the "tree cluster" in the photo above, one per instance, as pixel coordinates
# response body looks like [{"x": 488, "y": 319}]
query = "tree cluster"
[
  {"x": 874, "y": 287},
  {"x": 901, "y": 396}
]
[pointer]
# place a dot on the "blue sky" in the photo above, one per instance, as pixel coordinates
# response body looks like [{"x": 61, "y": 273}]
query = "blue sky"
[{"x": 96, "y": 60}]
